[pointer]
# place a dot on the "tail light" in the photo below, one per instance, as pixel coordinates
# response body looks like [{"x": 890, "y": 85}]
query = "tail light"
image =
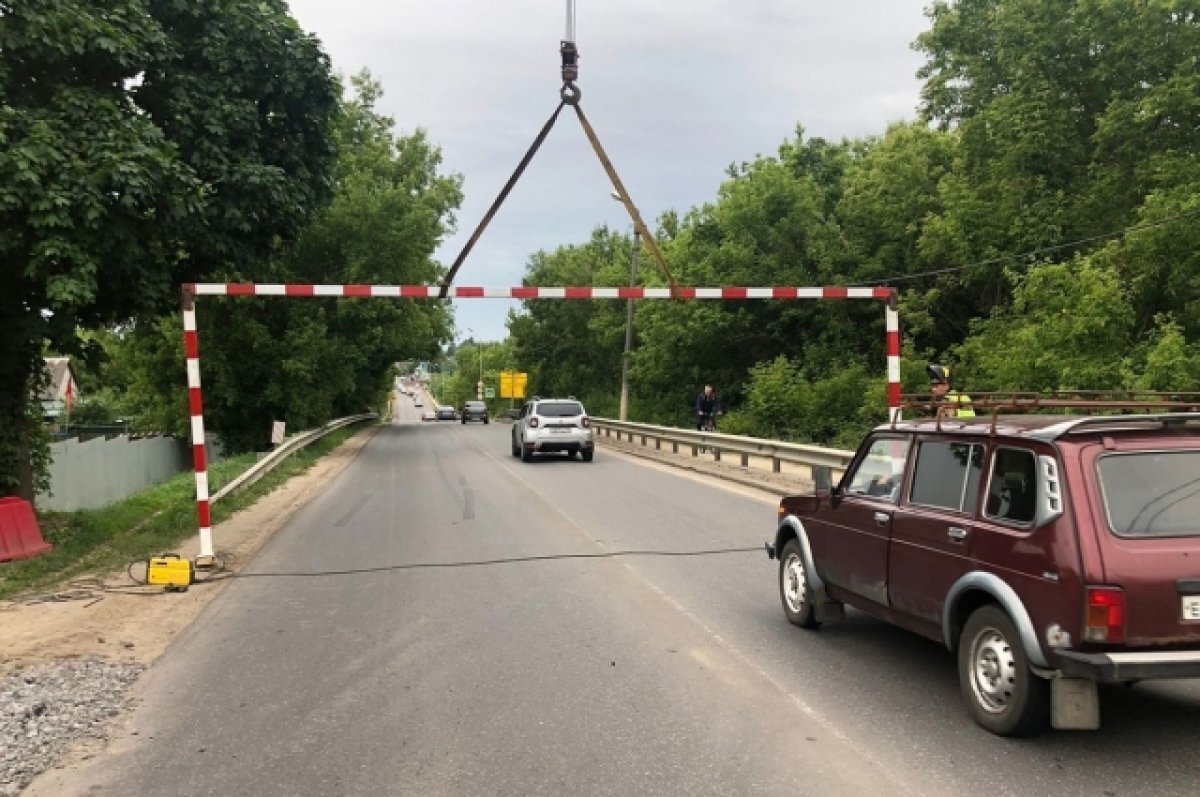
[
  {"x": 533, "y": 422},
  {"x": 585, "y": 422},
  {"x": 1105, "y": 615}
]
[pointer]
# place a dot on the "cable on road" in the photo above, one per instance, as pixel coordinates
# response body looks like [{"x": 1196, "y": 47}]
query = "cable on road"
[
  {"x": 221, "y": 576},
  {"x": 94, "y": 589}
]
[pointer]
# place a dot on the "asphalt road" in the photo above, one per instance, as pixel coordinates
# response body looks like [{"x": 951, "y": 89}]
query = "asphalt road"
[{"x": 604, "y": 674}]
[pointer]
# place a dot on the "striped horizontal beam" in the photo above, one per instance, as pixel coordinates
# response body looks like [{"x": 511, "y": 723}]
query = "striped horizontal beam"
[{"x": 534, "y": 292}]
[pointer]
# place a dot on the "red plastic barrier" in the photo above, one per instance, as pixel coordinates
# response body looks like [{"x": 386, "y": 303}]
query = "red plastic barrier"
[{"x": 20, "y": 537}]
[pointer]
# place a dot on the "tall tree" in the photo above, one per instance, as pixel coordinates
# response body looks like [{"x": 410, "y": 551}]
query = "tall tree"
[
  {"x": 145, "y": 143},
  {"x": 305, "y": 361}
]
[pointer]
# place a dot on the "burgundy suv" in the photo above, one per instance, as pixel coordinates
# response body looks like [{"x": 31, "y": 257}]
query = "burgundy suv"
[{"x": 1051, "y": 552}]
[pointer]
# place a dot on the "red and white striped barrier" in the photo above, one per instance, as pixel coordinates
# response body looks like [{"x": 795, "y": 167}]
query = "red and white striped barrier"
[
  {"x": 532, "y": 292},
  {"x": 521, "y": 292},
  {"x": 191, "y": 350}
]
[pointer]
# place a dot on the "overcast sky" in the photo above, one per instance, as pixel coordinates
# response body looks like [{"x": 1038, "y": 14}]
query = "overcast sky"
[{"x": 676, "y": 89}]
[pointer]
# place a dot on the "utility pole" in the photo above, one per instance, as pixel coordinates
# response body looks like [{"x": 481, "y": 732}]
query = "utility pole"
[
  {"x": 623, "y": 414},
  {"x": 478, "y": 345}
]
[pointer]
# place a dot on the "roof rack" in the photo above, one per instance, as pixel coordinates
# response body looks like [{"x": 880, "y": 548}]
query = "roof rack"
[{"x": 1094, "y": 402}]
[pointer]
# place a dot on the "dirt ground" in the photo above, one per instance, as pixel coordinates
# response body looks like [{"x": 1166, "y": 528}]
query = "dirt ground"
[{"x": 88, "y": 621}]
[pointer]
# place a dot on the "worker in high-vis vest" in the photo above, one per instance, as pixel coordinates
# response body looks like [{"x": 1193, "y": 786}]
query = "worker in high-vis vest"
[{"x": 951, "y": 403}]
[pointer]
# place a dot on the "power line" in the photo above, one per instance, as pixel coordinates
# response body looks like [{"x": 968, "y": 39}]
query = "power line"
[{"x": 1035, "y": 252}]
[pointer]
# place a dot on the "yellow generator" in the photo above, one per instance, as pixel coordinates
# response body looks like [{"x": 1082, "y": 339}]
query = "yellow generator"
[{"x": 170, "y": 571}]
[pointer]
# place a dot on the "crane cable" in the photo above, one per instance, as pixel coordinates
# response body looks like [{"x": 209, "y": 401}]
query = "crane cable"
[{"x": 569, "y": 94}]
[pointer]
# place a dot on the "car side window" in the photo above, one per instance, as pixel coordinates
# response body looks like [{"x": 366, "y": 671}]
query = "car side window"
[
  {"x": 1012, "y": 486},
  {"x": 947, "y": 475},
  {"x": 880, "y": 472}
]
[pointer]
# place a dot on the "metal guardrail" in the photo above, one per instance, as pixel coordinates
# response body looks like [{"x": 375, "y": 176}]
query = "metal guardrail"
[
  {"x": 717, "y": 444},
  {"x": 285, "y": 450}
]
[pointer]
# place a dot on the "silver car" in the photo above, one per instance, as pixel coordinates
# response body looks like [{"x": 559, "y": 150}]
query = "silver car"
[{"x": 547, "y": 425}]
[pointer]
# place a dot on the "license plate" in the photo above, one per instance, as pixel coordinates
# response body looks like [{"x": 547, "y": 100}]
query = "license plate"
[
  {"x": 556, "y": 430},
  {"x": 1191, "y": 607}
]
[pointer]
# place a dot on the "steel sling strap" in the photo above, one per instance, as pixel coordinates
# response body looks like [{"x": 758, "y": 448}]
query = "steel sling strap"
[
  {"x": 512, "y": 181},
  {"x": 626, "y": 200}
]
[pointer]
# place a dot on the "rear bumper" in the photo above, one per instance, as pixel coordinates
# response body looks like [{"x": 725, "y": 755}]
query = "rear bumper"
[
  {"x": 1130, "y": 665},
  {"x": 560, "y": 443}
]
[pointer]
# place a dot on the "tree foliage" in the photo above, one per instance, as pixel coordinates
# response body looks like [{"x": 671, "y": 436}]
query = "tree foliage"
[
  {"x": 143, "y": 143},
  {"x": 1047, "y": 127},
  {"x": 305, "y": 361}
]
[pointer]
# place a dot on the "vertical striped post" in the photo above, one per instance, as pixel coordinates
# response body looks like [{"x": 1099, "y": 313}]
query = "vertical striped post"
[
  {"x": 191, "y": 350},
  {"x": 892, "y": 323}
]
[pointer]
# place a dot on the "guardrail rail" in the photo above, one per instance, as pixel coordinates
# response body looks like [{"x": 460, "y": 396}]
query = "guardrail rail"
[
  {"x": 833, "y": 460},
  {"x": 286, "y": 449}
]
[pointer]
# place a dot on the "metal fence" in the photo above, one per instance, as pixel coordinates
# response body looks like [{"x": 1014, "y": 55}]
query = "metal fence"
[
  {"x": 93, "y": 473},
  {"x": 716, "y": 445}
]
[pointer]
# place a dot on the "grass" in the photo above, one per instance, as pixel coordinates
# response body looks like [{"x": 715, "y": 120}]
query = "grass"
[{"x": 151, "y": 522}]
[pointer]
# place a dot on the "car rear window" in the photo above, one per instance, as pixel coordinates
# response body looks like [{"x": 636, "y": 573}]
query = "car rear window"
[
  {"x": 1152, "y": 494},
  {"x": 476, "y": 405},
  {"x": 559, "y": 409}
]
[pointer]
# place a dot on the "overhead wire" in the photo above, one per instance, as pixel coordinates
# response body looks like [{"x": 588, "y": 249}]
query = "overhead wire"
[{"x": 1034, "y": 252}]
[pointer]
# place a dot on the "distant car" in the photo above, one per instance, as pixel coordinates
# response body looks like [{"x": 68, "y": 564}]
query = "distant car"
[
  {"x": 418, "y": 403},
  {"x": 445, "y": 413},
  {"x": 475, "y": 411},
  {"x": 429, "y": 415},
  {"x": 553, "y": 425}
]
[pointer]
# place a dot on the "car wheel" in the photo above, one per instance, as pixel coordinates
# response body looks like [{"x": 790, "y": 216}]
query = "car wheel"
[
  {"x": 795, "y": 590},
  {"x": 1002, "y": 693},
  {"x": 526, "y": 454},
  {"x": 587, "y": 454},
  {"x": 485, "y": 421}
]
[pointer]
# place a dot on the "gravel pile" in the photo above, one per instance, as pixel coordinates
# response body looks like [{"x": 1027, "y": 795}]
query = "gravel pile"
[{"x": 46, "y": 708}]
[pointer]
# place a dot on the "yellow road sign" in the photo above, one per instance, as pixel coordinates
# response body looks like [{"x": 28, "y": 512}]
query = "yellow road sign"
[{"x": 512, "y": 384}]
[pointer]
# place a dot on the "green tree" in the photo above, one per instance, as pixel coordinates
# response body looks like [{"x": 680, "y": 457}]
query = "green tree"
[
  {"x": 1070, "y": 328},
  {"x": 1070, "y": 113},
  {"x": 305, "y": 361},
  {"x": 144, "y": 143}
]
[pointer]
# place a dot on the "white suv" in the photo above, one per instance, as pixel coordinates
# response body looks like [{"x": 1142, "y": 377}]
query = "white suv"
[{"x": 546, "y": 425}]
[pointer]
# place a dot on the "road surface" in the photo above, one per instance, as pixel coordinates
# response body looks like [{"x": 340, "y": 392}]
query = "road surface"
[{"x": 596, "y": 675}]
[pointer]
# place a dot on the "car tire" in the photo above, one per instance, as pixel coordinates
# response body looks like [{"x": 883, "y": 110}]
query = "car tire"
[
  {"x": 1002, "y": 694},
  {"x": 587, "y": 455},
  {"x": 485, "y": 421},
  {"x": 795, "y": 587},
  {"x": 516, "y": 449},
  {"x": 526, "y": 454}
]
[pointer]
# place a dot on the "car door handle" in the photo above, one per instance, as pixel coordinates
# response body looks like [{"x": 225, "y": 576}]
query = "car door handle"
[
  {"x": 882, "y": 518},
  {"x": 957, "y": 534}
]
